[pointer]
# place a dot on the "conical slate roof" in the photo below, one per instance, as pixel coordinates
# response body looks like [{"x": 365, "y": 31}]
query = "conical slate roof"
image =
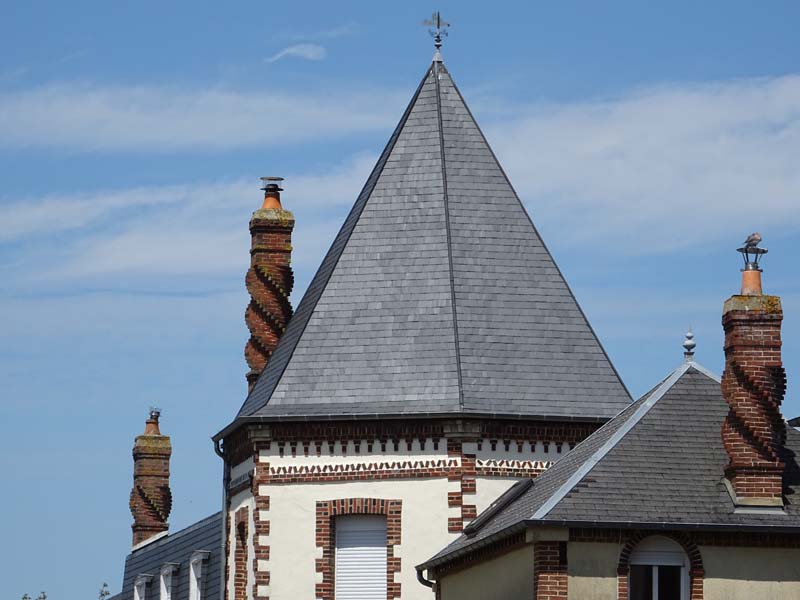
[{"x": 438, "y": 295}]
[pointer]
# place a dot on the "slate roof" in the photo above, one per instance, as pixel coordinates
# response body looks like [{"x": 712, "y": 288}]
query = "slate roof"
[
  {"x": 178, "y": 548},
  {"x": 438, "y": 296},
  {"x": 659, "y": 463}
]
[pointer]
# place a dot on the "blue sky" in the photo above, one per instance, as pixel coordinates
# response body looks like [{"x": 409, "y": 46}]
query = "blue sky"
[{"x": 646, "y": 141}]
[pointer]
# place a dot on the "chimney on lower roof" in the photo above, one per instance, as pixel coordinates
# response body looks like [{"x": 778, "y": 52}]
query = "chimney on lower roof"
[
  {"x": 753, "y": 384},
  {"x": 270, "y": 278},
  {"x": 151, "y": 498}
]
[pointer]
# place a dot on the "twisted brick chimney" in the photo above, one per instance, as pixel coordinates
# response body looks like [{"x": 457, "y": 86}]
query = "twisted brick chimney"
[
  {"x": 151, "y": 498},
  {"x": 270, "y": 278},
  {"x": 753, "y": 385}
]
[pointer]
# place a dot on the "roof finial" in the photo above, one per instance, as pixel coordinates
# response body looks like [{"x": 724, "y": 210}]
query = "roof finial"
[
  {"x": 437, "y": 31},
  {"x": 689, "y": 345}
]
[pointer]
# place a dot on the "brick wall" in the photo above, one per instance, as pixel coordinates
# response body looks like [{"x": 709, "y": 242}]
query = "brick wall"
[
  {"x": 753, "y": 384},
  {"x": 242, "y": 523},
  {"x": 550, "y": 570}
]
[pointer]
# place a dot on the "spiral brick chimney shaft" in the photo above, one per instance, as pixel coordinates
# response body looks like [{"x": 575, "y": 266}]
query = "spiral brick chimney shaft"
[
  {"x": 753, "y": 385},
  {"x": 269, "y": 280},
  {"x": 151, "y": 498}
]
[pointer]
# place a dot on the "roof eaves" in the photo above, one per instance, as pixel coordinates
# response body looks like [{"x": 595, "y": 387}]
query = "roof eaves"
[
  {"x": 601, "y": 452},
  {"x": 667, "y": 525},
  {"x": 656, "y": 525},
  {"x": 476, "y": 545},
  {"x": 259, "y": 419}
]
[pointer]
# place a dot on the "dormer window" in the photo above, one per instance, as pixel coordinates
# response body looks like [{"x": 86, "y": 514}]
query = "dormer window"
[
  {"x": 165, "y": 581},
  {"x": 196, "y": 564},
  {"x": 140, "y": 586}
]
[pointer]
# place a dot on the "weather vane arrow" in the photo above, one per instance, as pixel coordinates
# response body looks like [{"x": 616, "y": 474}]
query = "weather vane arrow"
[{"x": 437, "y": 30}]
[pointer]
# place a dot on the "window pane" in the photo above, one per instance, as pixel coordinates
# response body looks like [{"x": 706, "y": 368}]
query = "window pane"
[
  {"x": 641, "y": 582},
  {"x": 669, "y": 583}
]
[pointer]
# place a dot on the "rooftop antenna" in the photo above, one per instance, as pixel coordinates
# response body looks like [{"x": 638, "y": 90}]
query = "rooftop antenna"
[{"x": 437, "y": 31}]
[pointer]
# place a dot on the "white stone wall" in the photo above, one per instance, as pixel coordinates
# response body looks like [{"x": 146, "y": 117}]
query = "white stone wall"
[{"x": 292, "y": 538}]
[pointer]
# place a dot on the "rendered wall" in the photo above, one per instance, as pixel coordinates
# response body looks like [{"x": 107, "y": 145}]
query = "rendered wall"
[
  {"x": 592, "y": 570},
  {"x": 750, "y": 573},
  {"x": 507, "y": 577},
  {"x": 292, "y": 538}
]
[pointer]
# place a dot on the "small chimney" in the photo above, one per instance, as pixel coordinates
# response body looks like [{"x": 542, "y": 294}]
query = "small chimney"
[
  {"x": 270, "y": 278},
  {"x": 151, "y": 498},
  {"x": 753, "y": 385}
]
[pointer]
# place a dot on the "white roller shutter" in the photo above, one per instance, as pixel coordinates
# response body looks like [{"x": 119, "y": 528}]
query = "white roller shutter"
[{"x": 360, "y": 558}]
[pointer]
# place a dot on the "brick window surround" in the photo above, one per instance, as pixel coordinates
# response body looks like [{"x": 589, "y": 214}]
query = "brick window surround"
[
  {"x": 328, "y": 510},
  {"x": 696, "y": 571}
]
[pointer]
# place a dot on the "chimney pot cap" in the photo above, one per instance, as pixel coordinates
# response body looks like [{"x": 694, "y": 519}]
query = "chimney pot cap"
[
  {"x": 271, "y": 184},
  {"x": 154, "y": 413},
  {"x": 751, "y": 253}
]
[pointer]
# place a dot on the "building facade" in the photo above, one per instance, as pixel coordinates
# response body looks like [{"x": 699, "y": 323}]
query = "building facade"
[{"x": 438, "y": 419}]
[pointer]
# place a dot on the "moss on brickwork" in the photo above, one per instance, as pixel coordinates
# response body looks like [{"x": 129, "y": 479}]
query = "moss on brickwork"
[
  {"x": 283, "y": 217},
  {"x": 770, "y": 305}
]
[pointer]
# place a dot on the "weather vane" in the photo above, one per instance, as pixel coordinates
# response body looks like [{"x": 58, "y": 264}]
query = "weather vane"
[{"x": 437, "y": 30}]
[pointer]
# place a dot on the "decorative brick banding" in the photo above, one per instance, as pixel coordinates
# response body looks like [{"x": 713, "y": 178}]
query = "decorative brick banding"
[
  {"x": 242, "y": 521},
  {"x": 366, "y": 471},
  {"x": 261, "y": 477},
  {"x": 328, "y": 510}
]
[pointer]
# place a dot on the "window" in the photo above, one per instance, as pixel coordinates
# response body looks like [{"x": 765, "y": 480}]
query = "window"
[
  {"x": 360, "y": 559},
  {"x": 659, "y": 570},
  {"x": 140, "y": 586},
  {"x": 196, "y": 574},
  {"x": 166, "y": 580}
]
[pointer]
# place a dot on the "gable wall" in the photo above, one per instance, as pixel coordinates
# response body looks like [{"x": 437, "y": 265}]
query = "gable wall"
[{"x": 507, "y": 577}]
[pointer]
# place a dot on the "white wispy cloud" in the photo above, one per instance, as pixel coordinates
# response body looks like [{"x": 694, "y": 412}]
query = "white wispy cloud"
[
  {"x": 660, "y": 169},
  {"x": 162, "y": 118},
  {"x": 191, "y": 229},
  {"x": 305, "y": 51}
]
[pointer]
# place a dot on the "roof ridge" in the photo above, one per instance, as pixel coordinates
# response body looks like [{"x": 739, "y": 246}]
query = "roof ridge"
[
  {"x": 610, "y": 443},
  {"x": 435, "y": 68},
  {"x": 710, "y": 374}
]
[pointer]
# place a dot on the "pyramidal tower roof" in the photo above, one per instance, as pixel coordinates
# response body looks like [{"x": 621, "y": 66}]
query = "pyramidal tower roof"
[{"x": 437, "y": 296}]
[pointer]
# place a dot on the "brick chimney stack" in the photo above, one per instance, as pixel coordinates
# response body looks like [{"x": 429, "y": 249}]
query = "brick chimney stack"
[
  {"x": 753, "y": 384},
  {"x": 151, "y": 498},
  {"x": 270, "y": 278}
]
